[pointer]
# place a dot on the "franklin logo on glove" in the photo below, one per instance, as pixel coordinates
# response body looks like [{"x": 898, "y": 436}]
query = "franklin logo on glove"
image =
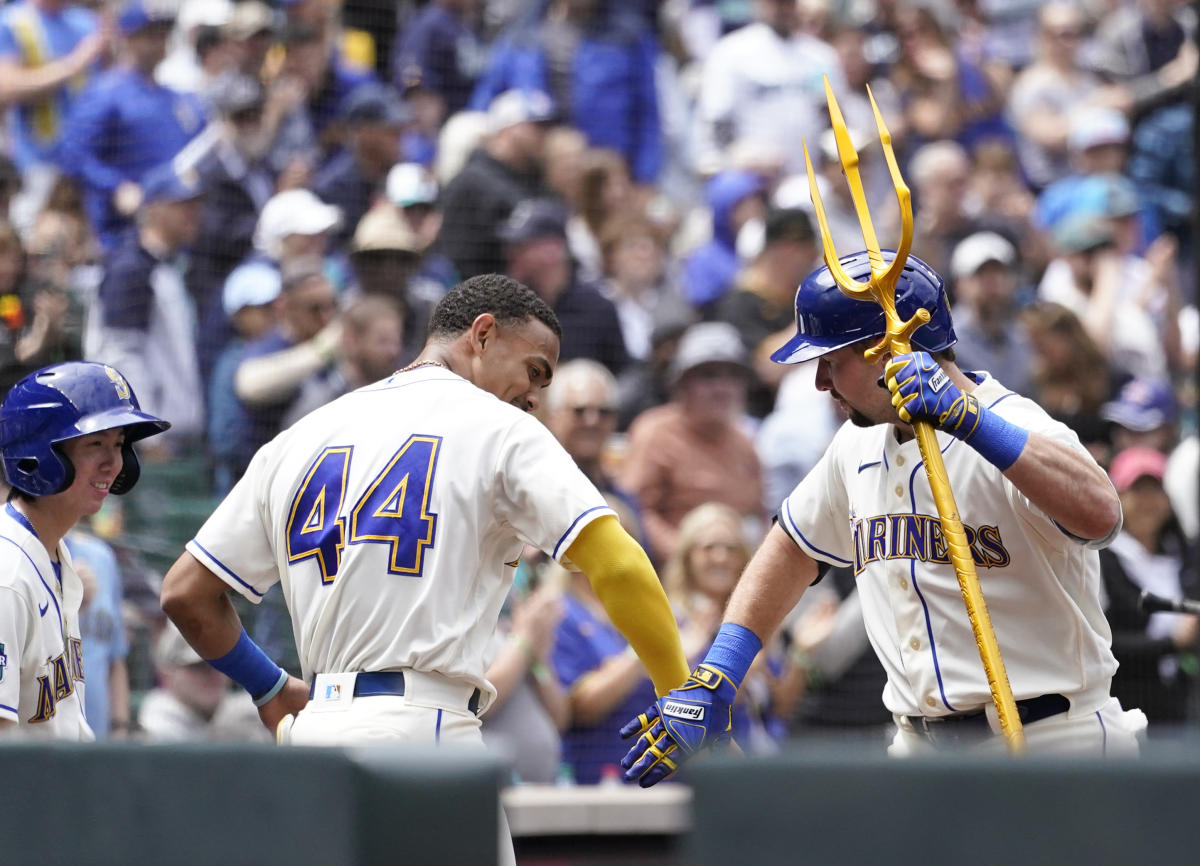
[{"x": 683, "y": 711}]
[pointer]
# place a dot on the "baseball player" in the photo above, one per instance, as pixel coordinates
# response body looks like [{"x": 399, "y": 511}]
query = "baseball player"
[
  {"x": 66, "y": 440},
  {"x": 1035, "y": 507},
  {"x": 394, "y": 518}
]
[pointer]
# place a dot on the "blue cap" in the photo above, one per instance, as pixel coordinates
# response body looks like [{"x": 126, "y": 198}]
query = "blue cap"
[
  {"x": 376, "y": 104},
  {"x": 138, "y": 14},
  {"x": 166, "y": 183}
]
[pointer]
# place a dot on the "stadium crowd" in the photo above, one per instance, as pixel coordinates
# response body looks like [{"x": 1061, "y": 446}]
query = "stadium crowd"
[{"x": 251, "y": 209}]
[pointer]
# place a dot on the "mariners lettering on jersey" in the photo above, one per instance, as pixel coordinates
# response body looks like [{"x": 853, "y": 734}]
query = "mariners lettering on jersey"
[
  {"x": 919, "y": 536},
  {"x": 65, "y": 670}
]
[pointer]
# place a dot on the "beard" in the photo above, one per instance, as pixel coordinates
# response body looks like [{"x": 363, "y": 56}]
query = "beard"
[{"x": 858, "y": 419}]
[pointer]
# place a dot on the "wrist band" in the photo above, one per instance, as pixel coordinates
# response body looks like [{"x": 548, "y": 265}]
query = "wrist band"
[
  {"x": 998, "y": 441},
  {"x": 248, "y": 666},
  {"x": 733, "y": 651},
  {"x": 275, "y": 689}
]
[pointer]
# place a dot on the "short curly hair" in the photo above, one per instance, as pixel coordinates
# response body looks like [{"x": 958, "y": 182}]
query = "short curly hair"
[{"x": 505, "y": 298}]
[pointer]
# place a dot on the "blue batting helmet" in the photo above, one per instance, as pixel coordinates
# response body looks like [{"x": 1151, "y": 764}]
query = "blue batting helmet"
[
  {"x": 62, "y": 402},
  {"x": 828, "y": 319}
]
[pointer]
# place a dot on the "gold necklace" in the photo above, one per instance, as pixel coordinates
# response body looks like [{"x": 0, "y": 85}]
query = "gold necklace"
[{"x": 429, "y": 363}]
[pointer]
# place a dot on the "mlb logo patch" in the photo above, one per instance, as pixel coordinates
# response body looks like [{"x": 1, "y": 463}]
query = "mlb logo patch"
[{"x": 333, "y": 692}]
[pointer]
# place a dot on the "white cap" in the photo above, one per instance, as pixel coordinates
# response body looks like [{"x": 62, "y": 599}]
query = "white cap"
[
  {"x": 251, "y": 285},
  {"x": 293, "y": 212},
  {"x": 1096, "y": 125},
  {"x": 975, "y": 251},
  {"x": 409, "y": 183},
  {"x": 204, "y": 13},
  {"x": 518, "y": 106}
]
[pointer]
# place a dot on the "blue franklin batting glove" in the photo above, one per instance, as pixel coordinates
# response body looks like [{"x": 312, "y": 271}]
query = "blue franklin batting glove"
[
  {"x": 693, "y": 716},
  {"x": 922, "y": 391}
]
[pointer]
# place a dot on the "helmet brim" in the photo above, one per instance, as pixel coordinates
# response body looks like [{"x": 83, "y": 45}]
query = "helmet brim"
[
  {"x": 804, "y": 347},
  {"x": 137, "y": 424}
]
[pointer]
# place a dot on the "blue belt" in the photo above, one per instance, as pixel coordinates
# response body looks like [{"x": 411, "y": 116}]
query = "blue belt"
[
  {"x": 370, "y": 685},
  {"x": 974, "y": 726}
]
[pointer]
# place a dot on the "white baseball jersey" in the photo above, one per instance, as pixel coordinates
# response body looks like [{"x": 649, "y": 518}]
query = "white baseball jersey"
[
  {"x": 41, "y": 652},
  {"x": 394, "y": 518},
  {"x": 867, "y": 505}
]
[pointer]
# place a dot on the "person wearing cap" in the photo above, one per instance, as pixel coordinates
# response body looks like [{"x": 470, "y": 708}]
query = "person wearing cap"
[
  {"x": 605, "y": 86},
  {"x": 735, "y": 198},
  {"x": 1130, "y": 305},
  {"x": 692, "y": 450},
  {"x": 126, "y": 123},
  {"x": 412, "y": 189},
  {"x": 374, "y": 118},
  {"x": 437, "y": 59},
  {"x": 1143, "y": 414},
  {"x": 251, "y": 30},
  {"x": 761, "y": 303},
  {"x": 295, "y": 224},
  {"x": 1156, "y": 651},
  {"x": 303, "y": 343},
  {"x": 314, "y": 59},
  {"x": 248, "y": 304},
  {"x": 199, "y": 49},
  {"x": 143, "y": 318},
  {"x": 535, "y": 242},
  {"x": 505, "y": 170},
  {"x": 48, "y": 48},
  {"x": 193, "y": 702},
  {"x": 991, "y": 334}
]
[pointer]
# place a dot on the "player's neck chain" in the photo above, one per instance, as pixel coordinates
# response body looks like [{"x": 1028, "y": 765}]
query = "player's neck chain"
[{"x": 429, "y": 363}]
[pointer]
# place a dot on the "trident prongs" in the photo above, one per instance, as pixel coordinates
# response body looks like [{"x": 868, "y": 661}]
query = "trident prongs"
[{"x": 881, "y": 287}]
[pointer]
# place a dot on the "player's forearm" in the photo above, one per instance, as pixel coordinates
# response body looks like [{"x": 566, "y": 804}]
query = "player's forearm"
[
  {"x": 771, "y": 585},
  {"x": 625, "y": 582},
  {"x": 1068, "y": 486},
  {"x": 195, "y": 600}
]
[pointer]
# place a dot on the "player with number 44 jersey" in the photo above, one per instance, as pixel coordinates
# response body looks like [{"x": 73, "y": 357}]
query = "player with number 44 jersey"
[{"x": 394, "y": 519}]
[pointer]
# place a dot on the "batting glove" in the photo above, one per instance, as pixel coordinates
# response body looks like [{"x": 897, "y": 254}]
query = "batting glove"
[
  {"x": 922, "y": 391},
  {"x": 696, "y": 715}
]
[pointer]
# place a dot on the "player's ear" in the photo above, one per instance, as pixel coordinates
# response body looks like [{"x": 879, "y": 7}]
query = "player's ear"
[{"x": 482, "y": 331}]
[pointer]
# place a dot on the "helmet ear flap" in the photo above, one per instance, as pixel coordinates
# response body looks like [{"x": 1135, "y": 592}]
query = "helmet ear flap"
[{"x": 131, "y": 471}]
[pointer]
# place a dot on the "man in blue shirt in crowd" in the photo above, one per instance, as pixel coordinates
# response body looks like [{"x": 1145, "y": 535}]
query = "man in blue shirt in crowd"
[{"x": 126, "y": 123}]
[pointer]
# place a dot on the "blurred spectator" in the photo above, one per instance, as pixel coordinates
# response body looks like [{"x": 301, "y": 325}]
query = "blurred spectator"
[
  {"x": 10, "y": 186},
  {"x": 525, "y": 720},
  {"x": 385, "y": 255},
  {"x": 302, "y": 345},
  {"x": 248, "y": 301},
  {"x": 126, "y": 123},
  {"x": 699, "y": 578},
  {"x": 251, "y": 32},
  {"x": 296, "y": 224},
  {"x": 370, "y": 350},
  {"x": 1182, "y": 483},
  {"x": 683, "y": 454},
  {"x": 1148, "y": 46},
  {"x": 31, "y": 316},
  {"x": 636, "y": 263},
  {"x": 1129, "y": 305},
  {"x": 581, "y": 412},
  {"x": 61, "y": 244},
  {"x": 535, "y": 238},
  {"x": 1072, "y": 378},
  {"x": 563, "y": 157},
  {"x": 946, "y": 91},
  {"x": 786, "y": 458},
  {"x": 735, "y": 198},
  {"x": 374, "y": 118},
  {"x": 48, "y": 51},
  {"x": 763, "y": 83},
  {"x": 647, "y": 383},
  {"x": 1046, "y": 92},
  {"x": 991, "y": 336},
  {"x": 762, "y": 304},
  {"x": 506, "y": 170},
  {"x": 461, "y": 134},
  {"x": 102, "y": 626},
  {"x": 199, "y": 50},
  {"x": 143, "y": 320},
  {"x": 193, "y": 701},
  {"x": 1150, "y": 554},
  {"x": 230, "y": 160},
  {"x": 1163, "y": 165},
  {"x": 1143, "y": 414},
  {"x": 412, "y": 188},
  {"x": 605, "y": 189},
  {"x": 438, "y": 57},
  {"x": 597, "y": 65}
]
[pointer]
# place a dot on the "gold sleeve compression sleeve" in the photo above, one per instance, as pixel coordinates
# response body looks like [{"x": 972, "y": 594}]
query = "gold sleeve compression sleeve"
[{"x": 624, "y": 580}]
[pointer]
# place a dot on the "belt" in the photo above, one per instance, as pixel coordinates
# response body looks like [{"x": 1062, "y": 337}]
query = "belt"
[
  {"x": 974, "y": 725},
  {"x": 390, "y": 683}
]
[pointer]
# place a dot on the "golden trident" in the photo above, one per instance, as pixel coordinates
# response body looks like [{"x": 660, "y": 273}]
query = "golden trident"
[{"x": 881, "y": 288}]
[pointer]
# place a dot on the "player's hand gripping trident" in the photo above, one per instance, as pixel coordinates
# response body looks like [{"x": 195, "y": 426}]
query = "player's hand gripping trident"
[{"x": 918, "y": 392}]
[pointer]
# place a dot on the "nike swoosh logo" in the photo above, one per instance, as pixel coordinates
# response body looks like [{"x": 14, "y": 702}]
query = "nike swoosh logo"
[{"x": 42, "y": 608}]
